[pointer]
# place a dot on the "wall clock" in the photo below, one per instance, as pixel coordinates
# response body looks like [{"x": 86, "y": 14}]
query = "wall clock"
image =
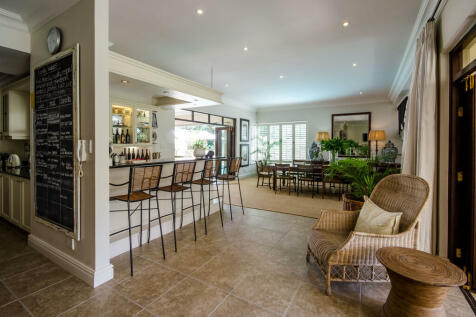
[{"x": 54, "y": 40}]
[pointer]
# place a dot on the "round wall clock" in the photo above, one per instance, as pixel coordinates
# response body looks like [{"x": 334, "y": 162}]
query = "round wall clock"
[{"x": 54, "y": 40}]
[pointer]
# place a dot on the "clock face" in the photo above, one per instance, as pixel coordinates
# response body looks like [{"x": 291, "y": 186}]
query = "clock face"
[{"x": 54, "y": 40}]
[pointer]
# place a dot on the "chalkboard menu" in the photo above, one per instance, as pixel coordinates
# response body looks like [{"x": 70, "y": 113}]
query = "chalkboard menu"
[{"x": 55, "y": 128}]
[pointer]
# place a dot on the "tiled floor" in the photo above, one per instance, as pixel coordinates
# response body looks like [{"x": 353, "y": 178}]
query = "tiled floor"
[{"x": 255, "y": 266}]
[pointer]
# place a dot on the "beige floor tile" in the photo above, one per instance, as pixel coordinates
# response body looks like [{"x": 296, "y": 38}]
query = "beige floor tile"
[
  {"x": 144, "y": 313},
  {"x": 223, "y": 271},
  {"x": 5, "y": 295},
  {"x": 14, "y": 309},
  {"x": 234, "y": 307},
  {"x": 21, "y": 264},
  {"x": 60, "y": 297},
  {"x": 187, "y": 259},
  {"x": 105, "y": 304},
  {"x": 147, "y": 285},
  {"x": 122, "y": 267},
  {"x": 28, "y": 282},
  {"x": 188, "y": 298},
  {"x": 313, "y": 300},
  {"x": 457, "y": 306},
  {"x": 270, "y": 290}
]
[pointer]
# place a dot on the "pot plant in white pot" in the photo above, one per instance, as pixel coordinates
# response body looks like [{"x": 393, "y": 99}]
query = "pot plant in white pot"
[{"x": 199, "y": 148}]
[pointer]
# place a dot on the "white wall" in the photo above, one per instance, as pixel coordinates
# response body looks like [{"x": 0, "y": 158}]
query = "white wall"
[
  {"x": 384, "y": 117},
  {"x": 85, "y": 23}
]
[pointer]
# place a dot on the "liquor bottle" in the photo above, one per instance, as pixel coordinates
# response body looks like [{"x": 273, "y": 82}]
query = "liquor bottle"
[
  {"x": 128, "y": 137},
  {"x": 142, "y": 157},
  {"x": 133, "y": 154},
  {"x": 129, "y": 154},
  {"x": 123, "y": 137},
  {"x": 147, "y": 156}
]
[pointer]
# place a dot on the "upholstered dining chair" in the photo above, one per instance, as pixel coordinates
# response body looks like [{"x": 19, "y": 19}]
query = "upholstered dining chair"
[{"x": 346, "y": 255}]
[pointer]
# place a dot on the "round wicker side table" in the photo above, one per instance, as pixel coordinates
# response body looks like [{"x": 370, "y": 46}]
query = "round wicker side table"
[{"x": 420, "y": 282}]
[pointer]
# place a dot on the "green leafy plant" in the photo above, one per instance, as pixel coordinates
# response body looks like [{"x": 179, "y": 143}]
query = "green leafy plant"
[
  {"x": 334, "y": 145},
  {"x": 199, "y": 144},
  {"x": 264, "y": 150},
  {"x": 363, "y": 150},
  {"x": 362, "y": 175},
  {"x": 349, "y": 144}
]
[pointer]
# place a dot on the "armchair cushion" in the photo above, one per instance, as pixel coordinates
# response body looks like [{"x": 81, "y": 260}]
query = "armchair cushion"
[
  {"x": 373, "y": 219},
  {"x": 324, "y": 243}
]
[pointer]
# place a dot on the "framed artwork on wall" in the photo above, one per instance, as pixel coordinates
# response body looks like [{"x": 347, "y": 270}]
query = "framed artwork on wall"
[
  {"x": 245, "y": 154},
  {"x": 244, "y": 130}
]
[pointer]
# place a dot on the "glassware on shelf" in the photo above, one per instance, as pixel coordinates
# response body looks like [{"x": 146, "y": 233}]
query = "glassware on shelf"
[
  {"x": 121, "y": 123},
  {"x": 142, "y": 126}
]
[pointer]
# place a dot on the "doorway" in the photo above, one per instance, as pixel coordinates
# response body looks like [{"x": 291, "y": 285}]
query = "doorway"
[
  {"x": 224, "y": 142},
  {"x": 462, "y": 166}
]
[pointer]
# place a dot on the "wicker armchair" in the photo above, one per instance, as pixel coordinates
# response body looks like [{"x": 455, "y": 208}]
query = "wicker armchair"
[{"x": 349, "y": 256}]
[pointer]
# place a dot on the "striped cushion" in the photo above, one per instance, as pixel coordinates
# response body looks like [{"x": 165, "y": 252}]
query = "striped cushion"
[{"x": 324, "y": 243}]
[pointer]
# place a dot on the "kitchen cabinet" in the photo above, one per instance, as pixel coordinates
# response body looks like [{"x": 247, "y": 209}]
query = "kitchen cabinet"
[
  {"x": 15, "y": 110},
  {"x": 15, "y": 201}
]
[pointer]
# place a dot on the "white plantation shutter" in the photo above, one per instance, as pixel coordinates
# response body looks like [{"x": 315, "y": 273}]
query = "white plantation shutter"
[
  {"x": 293, "y": 138},
  {"x": 274, "y": 137},
  {"x": 300, "y": 141},
  {"x": 287, "y": 144}
]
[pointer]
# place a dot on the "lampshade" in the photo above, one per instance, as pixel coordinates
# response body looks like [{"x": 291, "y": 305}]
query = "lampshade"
[
  {"x": 322, "y": 136},
  {"x": 377, "y": 135}
]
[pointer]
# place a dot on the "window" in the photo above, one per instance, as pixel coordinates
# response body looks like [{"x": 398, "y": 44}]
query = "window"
[{"x": 286, "y": 141}]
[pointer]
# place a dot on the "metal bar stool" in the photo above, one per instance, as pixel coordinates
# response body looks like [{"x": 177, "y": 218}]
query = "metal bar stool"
[
  {"x": 209, "y": 172},
  {"x": 182, "y": 175},
  {"x": 232, "y": 173},
  {"x": 141, "y": 178}
]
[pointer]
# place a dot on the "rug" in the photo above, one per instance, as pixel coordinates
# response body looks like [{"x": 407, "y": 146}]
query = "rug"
[{"x": 265, "y": 198}]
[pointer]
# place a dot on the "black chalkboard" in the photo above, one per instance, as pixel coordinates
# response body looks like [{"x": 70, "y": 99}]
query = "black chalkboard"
[{"x": 54, "y": 128}]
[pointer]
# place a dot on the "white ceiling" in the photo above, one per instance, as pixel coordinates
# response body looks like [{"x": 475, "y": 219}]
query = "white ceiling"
[{"x": 303, "y": 40}]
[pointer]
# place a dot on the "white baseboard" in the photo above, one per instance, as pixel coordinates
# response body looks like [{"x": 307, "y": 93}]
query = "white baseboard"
[
  {"x": 70, "y": 264},
  {"x": 121, "y": 245}
]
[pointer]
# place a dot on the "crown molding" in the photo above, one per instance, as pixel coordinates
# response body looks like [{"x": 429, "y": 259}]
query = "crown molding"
[
  {"x": 324, "y": 104},
  {"x": 14, "y": 32},
  {"x": 126, "y": 66},
  {"x": 403, "y": 76}
]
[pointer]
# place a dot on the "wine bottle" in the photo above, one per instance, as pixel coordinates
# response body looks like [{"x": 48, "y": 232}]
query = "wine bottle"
[
  {"x": 147, "y": 156},
  {"x": 129, "y": 154},
  {"x": 123, "y": 137},
  {"x": 133, "y": 154},
  {"x": 128, "y": 137},
  {"x": 142, "y": 154}
]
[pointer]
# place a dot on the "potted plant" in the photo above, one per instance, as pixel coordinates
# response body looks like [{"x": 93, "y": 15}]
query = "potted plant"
[
  {"x": 349, "y": 146},
  {"x": 199, "y": 148},
  {"x": 362, "y": 176},
  {"x": 334, "y": 146},
  {"x": 264, "y": 150}
]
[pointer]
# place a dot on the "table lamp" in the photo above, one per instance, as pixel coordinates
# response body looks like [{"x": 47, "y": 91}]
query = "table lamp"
[
  {"x": 377, "y": 135},
  {"x": 322, "y": 136}
]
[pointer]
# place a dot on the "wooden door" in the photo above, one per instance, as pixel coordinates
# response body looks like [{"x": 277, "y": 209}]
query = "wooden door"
[{"x": 224, "y": 143}]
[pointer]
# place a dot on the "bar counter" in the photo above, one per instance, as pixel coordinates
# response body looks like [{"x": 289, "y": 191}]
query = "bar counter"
[{"x": 156, "y": 161}]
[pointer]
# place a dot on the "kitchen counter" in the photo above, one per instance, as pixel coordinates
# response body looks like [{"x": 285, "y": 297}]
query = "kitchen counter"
[
  {"x": 157, "y": 161},
  {"x": 23, "y": 172}
]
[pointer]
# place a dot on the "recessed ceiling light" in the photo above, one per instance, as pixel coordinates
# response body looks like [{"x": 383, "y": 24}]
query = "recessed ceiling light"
[
  {"x": 245, "y": 48},
  {"x": 354, "y": 65},
  {"x": 345, "y": 24},
  {"x": 227, "y": 85},
  {"x": 124, "y": 82},
  {"x": 199, "y": 11},
  {"x": 281, "y": 76},
  {"x": 165, "y": 92},
  {"x": 361, "y": 92}
]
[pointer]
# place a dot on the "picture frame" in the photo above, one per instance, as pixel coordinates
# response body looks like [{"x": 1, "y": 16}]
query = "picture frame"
[
  {"x": 154, "y": 120},
  {"x": 245, "y": 154},
  {"x": 244, "y": 130}
]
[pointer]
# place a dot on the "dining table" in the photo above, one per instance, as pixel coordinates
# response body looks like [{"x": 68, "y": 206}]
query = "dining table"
[{"x": 294, "y": 168}]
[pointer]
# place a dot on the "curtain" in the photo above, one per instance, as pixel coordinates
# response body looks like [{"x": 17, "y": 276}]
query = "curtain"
[{"x": 419, "y": 140}]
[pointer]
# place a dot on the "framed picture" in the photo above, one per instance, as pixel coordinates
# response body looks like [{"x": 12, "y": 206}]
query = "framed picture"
[
  {"x": 245, "y": 154},
  {"x": 244, "y": 130},
  {"x": 154, "y": 120}
]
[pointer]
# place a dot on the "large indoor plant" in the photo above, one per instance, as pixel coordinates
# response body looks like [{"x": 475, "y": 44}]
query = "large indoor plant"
[
  {"x": 362, "y": 176},
  {"x": 334, "y": 146},
  {"x": 264, "y": 150}
]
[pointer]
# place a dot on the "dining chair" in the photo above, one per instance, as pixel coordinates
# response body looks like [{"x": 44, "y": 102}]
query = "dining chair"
[
  {"x": 307, "y": 174},
  {"x": 263, "y": 172},
  {"x": 284, "y": 177}
]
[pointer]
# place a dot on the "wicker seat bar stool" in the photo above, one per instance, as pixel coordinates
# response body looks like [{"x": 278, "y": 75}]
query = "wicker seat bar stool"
[
  {"x": 208, "y": 178},
  {"x": 231, "y": 174},
  {"x": 142, "y": 180}
]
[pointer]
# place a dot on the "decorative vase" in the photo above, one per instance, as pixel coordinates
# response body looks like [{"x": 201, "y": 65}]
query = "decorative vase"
[
  {"x": 389, "y": 152},
  {"x": 199, "y": 152}
]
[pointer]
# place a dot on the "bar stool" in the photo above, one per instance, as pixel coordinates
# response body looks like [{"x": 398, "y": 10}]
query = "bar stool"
[
  {"x": 182, "y": 175},
  {"x": 233, "y": 171},
  {"x": 141, "y": 178},
  {"x": 208, "y": 177}
]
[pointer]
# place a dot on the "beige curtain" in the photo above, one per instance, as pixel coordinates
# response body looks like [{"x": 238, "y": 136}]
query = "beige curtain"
[{"x": 420, "y": 137}]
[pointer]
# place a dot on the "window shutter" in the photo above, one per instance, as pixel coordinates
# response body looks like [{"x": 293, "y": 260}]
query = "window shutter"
[
  {"x": 274, "y": 137},
  {"x": 287, "y": 145},
  {"x": 300, "y": 142}
]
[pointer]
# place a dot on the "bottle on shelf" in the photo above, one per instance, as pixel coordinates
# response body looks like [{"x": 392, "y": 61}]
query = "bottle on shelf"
[
  {"x": 123, "y": 137},
  {"x": 128, "y": 137},
  {"x": 142, "y": 154},
  {"x": 147, "y": 156},
  {"x": 129, "y": 154},
  {"x": 133, "y": 154}
]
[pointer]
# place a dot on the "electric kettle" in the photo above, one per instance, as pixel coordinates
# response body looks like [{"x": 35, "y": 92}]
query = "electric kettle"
[{"x": 13, "y": 161}]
